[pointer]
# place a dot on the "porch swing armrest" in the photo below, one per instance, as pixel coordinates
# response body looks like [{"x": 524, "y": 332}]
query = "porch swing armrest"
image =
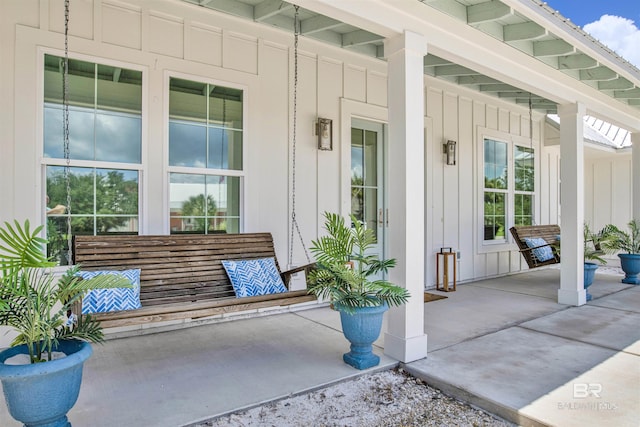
[{"x": 286, "y": 275}]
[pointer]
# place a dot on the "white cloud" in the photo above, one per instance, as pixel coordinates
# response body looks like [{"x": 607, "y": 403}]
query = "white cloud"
[{"x": 619, "y": 34}]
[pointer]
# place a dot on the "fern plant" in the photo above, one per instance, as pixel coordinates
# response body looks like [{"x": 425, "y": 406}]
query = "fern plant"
[
  {"x": 345, "y": 271},
  {"x": 34, "y": 302}
]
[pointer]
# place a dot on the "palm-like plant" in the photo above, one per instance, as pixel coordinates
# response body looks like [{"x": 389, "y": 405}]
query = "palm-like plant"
[
  {"x": 34, "y": 303},
  {"x": 344, "y": 269},
  {"x": 595, "y": 243},
  {"x": 621, "y": 240}
]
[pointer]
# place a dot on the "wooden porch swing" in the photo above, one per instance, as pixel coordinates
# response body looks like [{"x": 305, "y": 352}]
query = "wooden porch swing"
[
  {"x": 181, "y": 276},
  {"x": 531, "y": 254}
]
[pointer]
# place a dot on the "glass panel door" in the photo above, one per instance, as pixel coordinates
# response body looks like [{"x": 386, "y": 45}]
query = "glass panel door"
[{"x": 367, "y": 178}]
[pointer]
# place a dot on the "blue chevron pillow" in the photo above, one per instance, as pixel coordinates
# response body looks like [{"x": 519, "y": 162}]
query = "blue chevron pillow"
[
  {"x": 254, "y": 277},
  {"x": 115, "y": 299}
]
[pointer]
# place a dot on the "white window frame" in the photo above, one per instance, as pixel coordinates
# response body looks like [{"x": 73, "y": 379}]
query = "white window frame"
[
  {"x": 48, "y": 161},
  {"x": 485, "y": 246},
  {"x": 242, "y": 173}
]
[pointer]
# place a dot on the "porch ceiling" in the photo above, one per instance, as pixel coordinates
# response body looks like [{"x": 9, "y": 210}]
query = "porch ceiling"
[{"x": 587, "y": 60}]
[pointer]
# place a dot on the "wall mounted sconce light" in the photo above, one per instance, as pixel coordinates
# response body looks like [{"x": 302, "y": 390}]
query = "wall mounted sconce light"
[
  {"x": 324, "y": 130},
  {"x": 449, "y": 148}
]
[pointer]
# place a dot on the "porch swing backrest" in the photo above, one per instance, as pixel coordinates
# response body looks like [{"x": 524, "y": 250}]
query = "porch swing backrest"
[
  {"x": 182, "y": 276},
  {"x": 550, "y": 234}
]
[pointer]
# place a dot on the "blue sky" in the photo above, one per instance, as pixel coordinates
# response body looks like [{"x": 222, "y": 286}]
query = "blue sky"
[
  {"x": 615, "y": 23},
  {"x": 582, "y": 12}
]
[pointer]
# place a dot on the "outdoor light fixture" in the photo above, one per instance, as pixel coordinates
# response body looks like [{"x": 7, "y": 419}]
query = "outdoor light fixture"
[
  {"x": 449, "y": 148},
  {"x": 324, "y": 130}
]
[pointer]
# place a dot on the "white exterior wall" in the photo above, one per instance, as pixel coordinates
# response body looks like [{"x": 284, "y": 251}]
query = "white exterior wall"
[{"x": 166, "y": 38}]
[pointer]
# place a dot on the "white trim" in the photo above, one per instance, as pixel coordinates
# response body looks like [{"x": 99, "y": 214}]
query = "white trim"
[
  {"x": 482, "y": 246},
  {"x": 168, "y": 169}
]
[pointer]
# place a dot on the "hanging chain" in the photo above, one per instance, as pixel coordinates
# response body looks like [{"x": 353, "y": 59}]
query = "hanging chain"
[
  {"x": 294, "y": 221},
  {"x": 65, "y": 113}
]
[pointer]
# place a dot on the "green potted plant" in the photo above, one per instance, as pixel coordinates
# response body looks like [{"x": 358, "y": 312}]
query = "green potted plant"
[
  {"x": 627, "y": 242},
  {"x": 593, "y": 251},
  {"x": 40, "y": 389},
  {"x": 348, "y": 276}
]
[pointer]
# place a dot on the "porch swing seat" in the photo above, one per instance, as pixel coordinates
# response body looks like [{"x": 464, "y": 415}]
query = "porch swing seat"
[
  {"x": 182, "y": 276},
  {"x": 531, "y": 252}
]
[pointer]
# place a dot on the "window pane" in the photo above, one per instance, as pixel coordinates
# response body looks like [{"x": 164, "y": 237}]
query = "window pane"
[
  {"x": 116, "y": 192},
  {"x": 357, "y": 203},
  {"x": 225, "y": 107},
  {"x": 494, "y": 216},
  {"x": 371, "y": 214},
  {"x": 118, "y": 138},
  {"x": 524, "y": 169},
  {"x": 218, "y": 144},
  {"x": 524, "y": 209},
  {"x": 188, "y": 100},
  {"x": 81, "y": 133},
  {"x": 204, "y": 204},
  {"x": 495, "y": 164},
  {"x": 102, "y": 201},
  {"x": 187, "y": 145},
  {"x": 357, "y": 166},
  {"x": 225, "y": 149},
  {"x": 81, "y": 81},
  {"x": 119, "y": 89},
  {"x": 371, "y": 159}
]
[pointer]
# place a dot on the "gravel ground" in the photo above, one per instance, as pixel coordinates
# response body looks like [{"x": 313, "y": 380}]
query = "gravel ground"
[{"x": 388, "y": 398}]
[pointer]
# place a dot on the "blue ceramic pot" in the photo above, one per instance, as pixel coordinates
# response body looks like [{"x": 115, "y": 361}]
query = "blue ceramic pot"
[
  {"x": 589, "y": 273},
  {"x": 630, "y": 264},
  {"x": 362, "y": 328},
  {"x": 41, "y": 394}
]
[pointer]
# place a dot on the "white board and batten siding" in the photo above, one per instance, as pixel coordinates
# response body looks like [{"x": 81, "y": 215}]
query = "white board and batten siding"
[{"x": 166, "y": 39}]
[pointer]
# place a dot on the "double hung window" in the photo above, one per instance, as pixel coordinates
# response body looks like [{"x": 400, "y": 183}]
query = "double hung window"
[
  {"x": 205, "y": 157},
  {"x": 104, "y": 151},
  {"x": 509, "y": 187}
]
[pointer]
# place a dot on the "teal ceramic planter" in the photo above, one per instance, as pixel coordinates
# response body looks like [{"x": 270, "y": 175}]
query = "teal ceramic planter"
[
  {"x": 589, "y": 273},
  {"x": 41, "y": 394},
  {"x": 362, "y": 328},
  {"x": 630, "y": 264}
]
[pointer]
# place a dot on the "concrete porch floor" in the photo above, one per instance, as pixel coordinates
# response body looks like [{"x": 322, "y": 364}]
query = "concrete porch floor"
[{"x": 502, "y": 344}]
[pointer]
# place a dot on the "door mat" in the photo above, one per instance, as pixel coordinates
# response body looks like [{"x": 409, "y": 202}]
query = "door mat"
[{"x": 428, "y": 297}]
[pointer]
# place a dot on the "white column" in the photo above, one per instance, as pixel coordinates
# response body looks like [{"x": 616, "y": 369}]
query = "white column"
[
  {"x": 571, "y": 290},
  {"x": 635, "y": 172},
  {"x": 405, "y": 339}
]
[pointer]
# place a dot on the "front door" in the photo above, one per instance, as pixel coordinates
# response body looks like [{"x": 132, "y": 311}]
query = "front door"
[{"x": 367, "y": 178}]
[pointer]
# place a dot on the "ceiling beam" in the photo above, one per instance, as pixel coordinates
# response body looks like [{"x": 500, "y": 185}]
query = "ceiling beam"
[
  {"x": 626, "y": 94},
  {"x": 515, "y": 95},
  {"x": 231, "y": 7},
  {"x": 523, "y": 31},
  {"x": 500, "y": 87},
  {"x": 488, "y": 11},
  {"x": 453, "y": 70},
  {"x": 619, "y": 83},
  {"x": 476, "y": 80},
  {"x": 552, "y": 48},
  {"x": 318, "y": 23},
  {"x": 432, "y": 60},
  {"x": 269, "y": 8},
  {"x": 576, "y": 62},
  {"x": 360, "y": 37},
  {"x": 598, "y": 73}
]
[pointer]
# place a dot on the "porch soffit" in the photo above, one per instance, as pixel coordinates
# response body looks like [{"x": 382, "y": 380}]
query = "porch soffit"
[{"x": 529, "y": 27}]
